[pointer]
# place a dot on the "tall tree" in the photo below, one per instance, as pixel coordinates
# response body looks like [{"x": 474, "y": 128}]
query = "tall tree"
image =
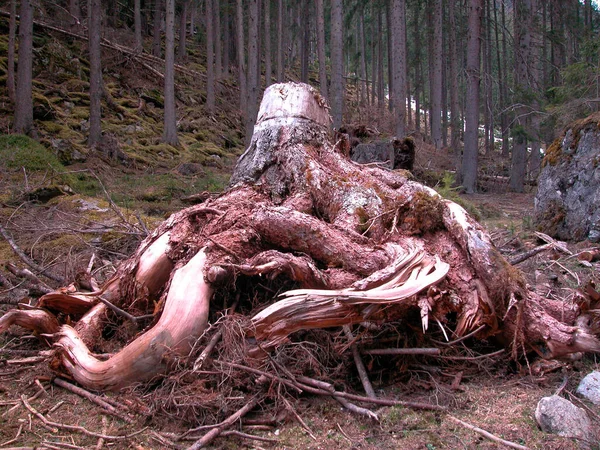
[
  {"x": 137, "y": 25},
  {"x": 210, "y": 72},
  {"x": 320, "y": 13},
  {"x": 12, "y": 32},
  {"x": 24, "y": 101},
  {"x": 470, "y": 156},
  {"x": 241, "y": 59},
  {"x": 303, "y": 12},
  {"x": 268, "y": 55},
  {"x": 453, "y": 80},
  {"x": 253, "y": 83},
  {"x": 523, "y": 12},
  {"x": 436, "y": 76},
  {"x": 217, "y": 42},
  {"x": 170, "y": 131},
  {"x": 94, "y": 34},
  {"x": 337, "y": 63},
  {"x": 156, "y": 40},
  {"x": 280, "y": 68},
  {"x": 181, "y": 49},
  {"x": 399, "y": 64}
]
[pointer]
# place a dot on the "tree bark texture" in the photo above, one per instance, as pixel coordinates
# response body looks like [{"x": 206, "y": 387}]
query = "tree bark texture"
[
  {"x": 360, "y": 243},
  {"x": 453, "y": 75},
  {"x": 268, "y": 53},
  {"x": 95, "y": 34},
  {"x": 181, "y": 49},
  {"x": 241, "y": 58},
  {"x": 436, "y": 76},
  {"x": 156, "y": 34},
  {"x": 253, "y": 84},
  {"x": 337, "y": 63},
  {"x": 470, "y": 155},
  {"x": 10, "y": 69},
  {"x": 217, "y": 42},
  {"x": 170, "y": 131},
  {"x": 320, "y": 13},
  {"x": 24, "y": 102},
  {"x": 210, "y": 58}
]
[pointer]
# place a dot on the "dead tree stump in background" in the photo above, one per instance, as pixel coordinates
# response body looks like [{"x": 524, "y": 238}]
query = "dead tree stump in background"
[{"x": 361, "y": 243}]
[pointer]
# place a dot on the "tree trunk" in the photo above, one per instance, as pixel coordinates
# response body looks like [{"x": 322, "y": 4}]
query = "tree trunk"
[
  {"x": 181, "y": 49},
  {"x": 156, "y": 35},
  {"x": 217, "y": 42},
  {"x": 337, "y": 63},
  {"x": 268, "y": 53},
  {"x": 10, "y": 69},
  {"x": 137, "y": 25},
  {"x": 241, "y": 59},
  {"x": 320, "y": 15},
  {"x": 170, "y": 131},
  {"x": 453, "y": 75},
  {"x": 380, "y": 82},
  {"x": 210, "y": 73},
  {"x": 399, "y": 64},
  {"x": 470, "y": 156},
  {"x": 364, "y": 96},
  {"x": 24, "y": 102},
  {"x": 436, "y": 77},
  {"x": 94, "y": 37},
  {"x": 304, "y": 18},
  {"x": 296, "y": 211},
  {"x": 390, "y": 55},
  {"x": 280, "y": 68},
  {"x": 253, "y": 82}
]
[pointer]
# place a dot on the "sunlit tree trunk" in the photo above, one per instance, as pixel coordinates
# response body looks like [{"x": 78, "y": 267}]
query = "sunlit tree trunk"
[{"x": 470, "y": 156}]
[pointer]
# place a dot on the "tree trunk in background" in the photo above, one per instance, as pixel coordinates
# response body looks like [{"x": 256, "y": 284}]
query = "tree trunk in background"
[
  {"x": 417, "y": 65},
  {"x": 374, "y": 62},
  {"x": 181, "y": 49},
  {"x": 337, "y": 63},
  {"x": 217, "y": 43},
  {"x": 390, "y": 53},
  {"x": 75, "y": 12},
  {"x": 469, "y": 162},
  {"x": 502, "y": 82},
  {"x": 320, "y": 15},
  {"x": 156, "y": 39},
  {"x": 436, "y": 76},
  {"x": 226, "y": 42},
  {"x": 453, "y": 75},
  {"x": 364, "y": 82},
  {"x": 535, "y": 74},
  {"x": 280, "y": 41},
  {"x": 170, "y": 131},
  {"x": 137, "y": 25},
  {"x": 252, "y": 102},
  {"x": 268, "y": 53},
  {"x": 193, "y": 12},
  {"x": 522, "y": 50},
  {"x": 398, "y": 17},
  {"x": 94, "y": 36},
  {"x": 241, "y": 59},
  {"x": 210, "y": 57},
  {"x": 305, "y": 40},
  {"x": 380, "y": 81},
  {"x": 487, "y": 76},
  {"x": 24, "y": 102},
  {"x": 259, "y": 49},
  {"x": 12, "y": 32}
]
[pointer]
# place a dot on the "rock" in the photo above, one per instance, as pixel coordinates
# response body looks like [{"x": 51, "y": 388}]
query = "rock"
[
  {"x": 557, "y": 415},
  {"x": 66, "y": 152},
  {"x": 110, "y": 149},
  {"x": 187, "y": 169},
  {"x": 133, "y": 128},
  {"x": 378, "y": 151},
  {"x": 569, "y": 184},
  {"x": 589, "y": 388}
]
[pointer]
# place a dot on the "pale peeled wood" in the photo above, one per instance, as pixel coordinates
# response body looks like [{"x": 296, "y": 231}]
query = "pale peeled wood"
[{"x": 184, "y": 318}]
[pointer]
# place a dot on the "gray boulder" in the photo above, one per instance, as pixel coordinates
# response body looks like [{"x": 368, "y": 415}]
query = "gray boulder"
[
  {"x": 589, "y": 388},
  {"x": 566, "y": 204},
  {"x": 559, "y": 416}
]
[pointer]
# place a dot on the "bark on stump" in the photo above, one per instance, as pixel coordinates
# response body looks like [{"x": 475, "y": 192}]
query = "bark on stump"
[{"x": 361, "y": 243}]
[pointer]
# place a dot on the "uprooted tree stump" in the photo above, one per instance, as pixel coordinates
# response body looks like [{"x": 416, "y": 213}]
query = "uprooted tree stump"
[{"x": 362, "y": 244}]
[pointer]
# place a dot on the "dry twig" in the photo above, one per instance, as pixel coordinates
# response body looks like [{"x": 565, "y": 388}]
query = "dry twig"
[
  {"x": 487, "y": 434},
  {"x": 360, "y": 366}
]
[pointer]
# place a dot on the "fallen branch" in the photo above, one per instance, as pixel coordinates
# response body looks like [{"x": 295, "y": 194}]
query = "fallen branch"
[
  {"x": 28, "y": 260},
  {"x": 402, "y": 351},
  {"x": 487, "y": 434},
  {"x": 61, "y": 426},
  {"x": 524, "y": 256},
  {"x": 360, "y": 366},
  {"x": 215, "y": 432}
]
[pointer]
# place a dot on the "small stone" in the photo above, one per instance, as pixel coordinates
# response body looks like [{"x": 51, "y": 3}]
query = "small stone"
[
  {"x": 589, "y": 388},
  {"x": 559, "y": 416}
]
